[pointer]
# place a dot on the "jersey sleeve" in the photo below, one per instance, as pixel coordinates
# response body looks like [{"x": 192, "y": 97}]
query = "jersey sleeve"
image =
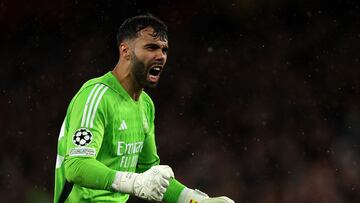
[
  {"x": 89, "y": 173},
  {"x": 148, "y": 156},
  {"x": 86, "y": 122}
]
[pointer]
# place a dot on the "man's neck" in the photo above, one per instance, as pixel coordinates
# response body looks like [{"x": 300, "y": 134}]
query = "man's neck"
[{"x": 123, "y": 75}]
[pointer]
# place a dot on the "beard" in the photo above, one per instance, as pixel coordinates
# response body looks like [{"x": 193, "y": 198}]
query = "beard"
[{"x": 140, "y": 72}]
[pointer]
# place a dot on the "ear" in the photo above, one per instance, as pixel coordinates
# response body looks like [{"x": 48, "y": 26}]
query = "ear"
[{"x": 124, "y": 49}]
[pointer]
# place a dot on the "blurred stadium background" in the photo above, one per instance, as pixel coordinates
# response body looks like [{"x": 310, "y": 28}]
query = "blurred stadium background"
[{"x": 259, "y": 101}]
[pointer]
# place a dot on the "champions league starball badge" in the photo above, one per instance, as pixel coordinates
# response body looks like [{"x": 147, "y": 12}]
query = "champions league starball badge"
[{"x": 82, "y": 137}]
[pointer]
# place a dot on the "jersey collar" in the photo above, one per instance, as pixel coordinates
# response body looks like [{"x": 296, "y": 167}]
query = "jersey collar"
[{"x": 113, "y": 83}]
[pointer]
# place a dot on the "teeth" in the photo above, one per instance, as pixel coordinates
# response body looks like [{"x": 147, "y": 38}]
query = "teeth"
[{"x": 155, "y": 71}]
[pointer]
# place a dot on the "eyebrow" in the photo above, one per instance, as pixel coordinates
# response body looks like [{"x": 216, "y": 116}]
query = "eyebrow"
[{"x": 154, "y": 45}]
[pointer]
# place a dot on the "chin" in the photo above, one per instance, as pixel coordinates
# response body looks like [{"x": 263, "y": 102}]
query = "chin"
[{"x": 151, "y": 85}]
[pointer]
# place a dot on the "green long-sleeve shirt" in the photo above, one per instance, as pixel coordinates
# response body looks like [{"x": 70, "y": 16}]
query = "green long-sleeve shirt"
[{"x": 104, "y": 131}]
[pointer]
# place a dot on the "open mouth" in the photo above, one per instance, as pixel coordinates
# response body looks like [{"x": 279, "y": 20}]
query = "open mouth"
[
  {"x": 154, "y": 74},
  {"x": 155, "y": 71}
]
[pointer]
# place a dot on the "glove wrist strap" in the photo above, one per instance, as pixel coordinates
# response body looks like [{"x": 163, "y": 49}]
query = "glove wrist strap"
[
  {"x": 191, "y": 196},
  {"x": 124, "y": 182}
]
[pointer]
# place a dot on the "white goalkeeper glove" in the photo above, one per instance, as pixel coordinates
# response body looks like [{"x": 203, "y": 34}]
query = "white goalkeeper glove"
[
  {"x": 150, "y": 185},
  {"x": 196, "y": 196},
  {"x": 222, "y": 199}
]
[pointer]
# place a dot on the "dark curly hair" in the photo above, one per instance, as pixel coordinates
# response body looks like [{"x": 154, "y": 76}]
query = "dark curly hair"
[{"x": 130, "y": 28}]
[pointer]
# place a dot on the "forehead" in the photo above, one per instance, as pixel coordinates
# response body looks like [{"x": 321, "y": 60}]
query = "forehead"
[{"x": 146, "y": 36}]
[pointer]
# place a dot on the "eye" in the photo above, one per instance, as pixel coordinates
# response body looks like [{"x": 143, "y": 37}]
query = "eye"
[
  {"x": 152, "y": 47},
  {"x": 165, "y": 50}
]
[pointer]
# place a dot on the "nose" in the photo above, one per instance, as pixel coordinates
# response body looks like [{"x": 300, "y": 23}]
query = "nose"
[{"x": 160, "y": 56}]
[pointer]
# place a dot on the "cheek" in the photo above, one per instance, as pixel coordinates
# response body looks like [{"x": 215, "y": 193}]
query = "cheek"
[{"x": 144, "y": 56}]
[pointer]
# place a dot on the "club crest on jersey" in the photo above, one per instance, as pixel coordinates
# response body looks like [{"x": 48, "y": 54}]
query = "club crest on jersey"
[
  {"x": 145, "y": 122},
  {"x": 82, "y": 137}
]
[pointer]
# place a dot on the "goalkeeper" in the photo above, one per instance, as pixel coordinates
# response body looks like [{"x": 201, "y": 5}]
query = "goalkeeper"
[{"x": 106, "y": 147}]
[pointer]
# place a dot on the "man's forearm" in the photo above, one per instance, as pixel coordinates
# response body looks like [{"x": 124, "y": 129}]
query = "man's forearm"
[
  {"x": 88, "y": 172},
  {"x": 173, "y": 191},
  {"x": 178, "y": 193}
]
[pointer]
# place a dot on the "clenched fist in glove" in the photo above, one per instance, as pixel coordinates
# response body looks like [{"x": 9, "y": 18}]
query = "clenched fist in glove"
[
  {"x": 222, "y": 199},
  {"x": 196, "y": 196},
  {"x": 150, "y": 185}
]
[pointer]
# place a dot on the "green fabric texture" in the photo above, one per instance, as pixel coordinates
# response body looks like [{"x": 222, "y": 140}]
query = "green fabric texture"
[
  {"x": 173, "y": 191},
  {"x": 89, "y": 172},
  {"x": 104, "y": 130}
]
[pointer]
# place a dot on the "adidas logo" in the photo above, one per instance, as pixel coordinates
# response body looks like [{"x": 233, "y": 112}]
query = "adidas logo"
[{"x": 123, "y": 125}]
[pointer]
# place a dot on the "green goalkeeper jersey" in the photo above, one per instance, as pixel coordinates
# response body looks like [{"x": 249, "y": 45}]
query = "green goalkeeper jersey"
[{"x": 107, "y": 128}]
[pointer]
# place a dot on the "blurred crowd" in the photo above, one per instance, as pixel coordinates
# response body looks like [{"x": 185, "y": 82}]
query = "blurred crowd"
[{"x": 259, "y": 100}]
